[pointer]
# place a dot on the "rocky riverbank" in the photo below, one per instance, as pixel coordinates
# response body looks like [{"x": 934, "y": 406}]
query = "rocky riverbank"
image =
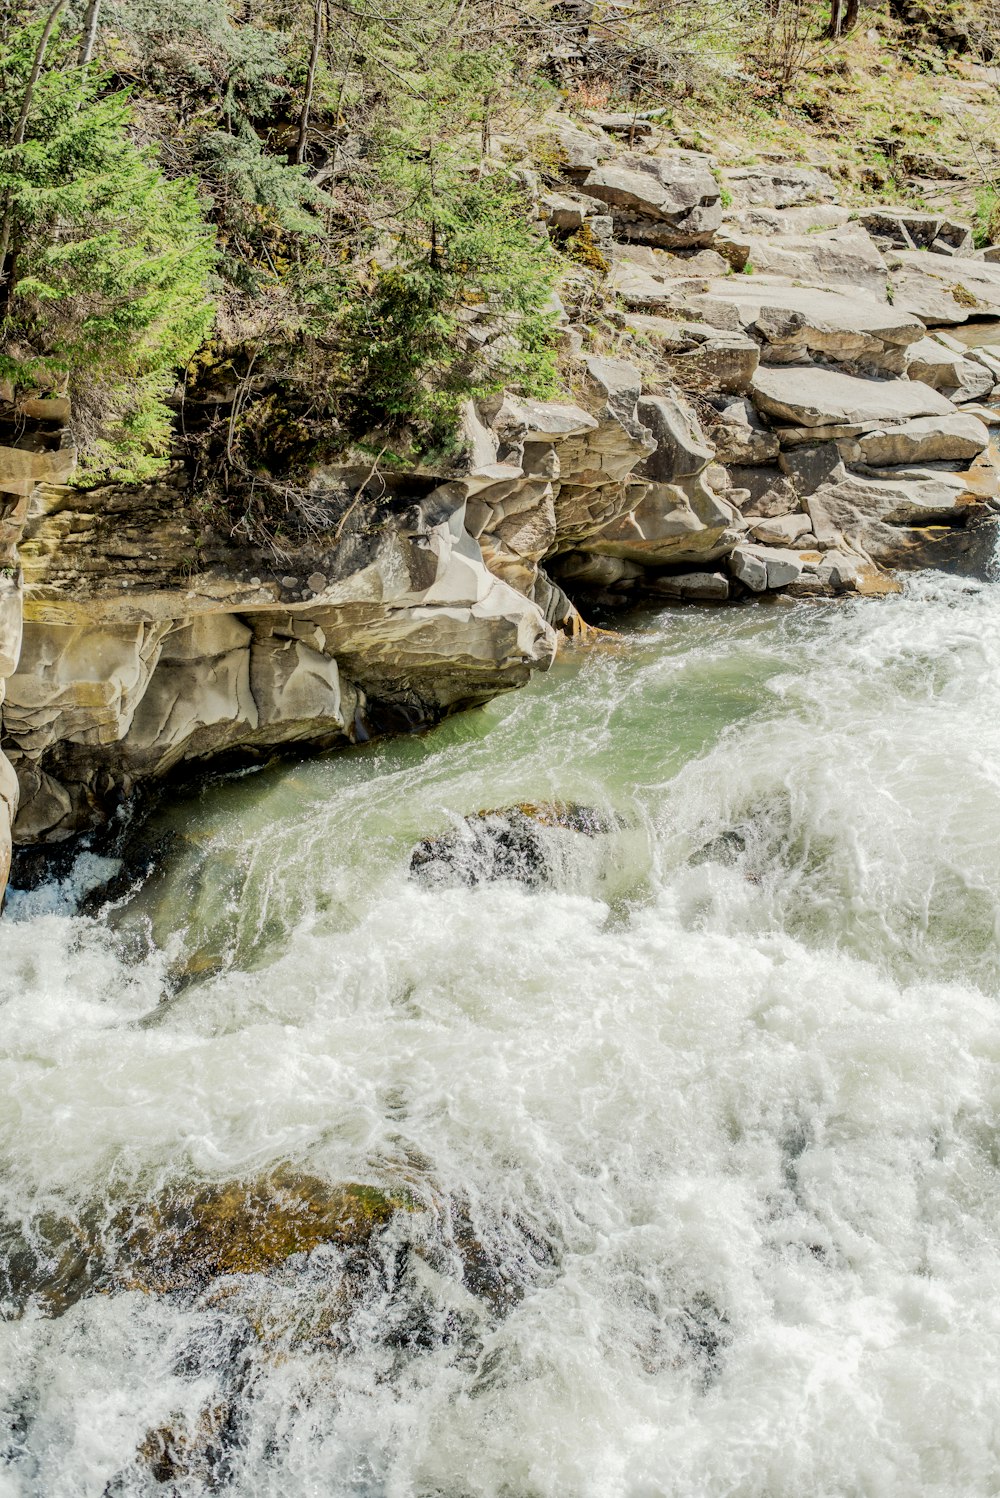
[{"x": 782, "y": 409}]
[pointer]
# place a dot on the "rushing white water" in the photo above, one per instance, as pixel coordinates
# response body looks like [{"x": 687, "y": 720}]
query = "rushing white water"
[{"x": 718, "y": 1107}]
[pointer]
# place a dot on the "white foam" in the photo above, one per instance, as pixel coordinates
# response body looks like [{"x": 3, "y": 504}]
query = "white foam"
[{"x": 751, "y": 1121}]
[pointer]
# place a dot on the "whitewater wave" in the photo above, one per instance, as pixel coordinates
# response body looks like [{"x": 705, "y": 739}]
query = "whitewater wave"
[{"x": 724, "y": 1140}]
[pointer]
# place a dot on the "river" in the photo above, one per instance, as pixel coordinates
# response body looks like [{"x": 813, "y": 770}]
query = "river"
[{"x": 718, "y": 1106}]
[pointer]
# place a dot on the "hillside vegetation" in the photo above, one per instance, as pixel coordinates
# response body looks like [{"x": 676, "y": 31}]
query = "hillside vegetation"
[{"x": 265, "y": 234}]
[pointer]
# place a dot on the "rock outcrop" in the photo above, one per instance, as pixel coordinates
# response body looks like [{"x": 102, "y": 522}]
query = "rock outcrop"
[
  {"x": 672, "y": 199},
  {"x": 795, "y": 428}
]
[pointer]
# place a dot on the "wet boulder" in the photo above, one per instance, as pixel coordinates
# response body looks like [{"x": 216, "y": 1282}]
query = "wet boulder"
[
  {"x": 188, "y": 1236},
  {"x": 520, "y": 844},
  {"x": 185, "y": 1239}
]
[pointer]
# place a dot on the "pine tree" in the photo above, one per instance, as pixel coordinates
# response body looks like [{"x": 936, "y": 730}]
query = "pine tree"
[{"x": 106, "y": 280}]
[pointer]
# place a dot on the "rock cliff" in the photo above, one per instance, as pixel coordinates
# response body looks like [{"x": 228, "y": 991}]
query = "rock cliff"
[{"x": 809, "y": 426}]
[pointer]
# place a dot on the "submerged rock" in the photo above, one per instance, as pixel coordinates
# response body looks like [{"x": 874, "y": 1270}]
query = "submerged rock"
[
  {"x": 190, "y": 1451},
  {"x": 514, "y": 843},
  {"x": 184, "y": 1240},
  {"x": 187, "y": 1237}
]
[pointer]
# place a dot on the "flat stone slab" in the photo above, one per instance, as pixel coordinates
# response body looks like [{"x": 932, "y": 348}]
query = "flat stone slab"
[
  {"x": 846, "y": 327},
  {"x": 943, "y": 289},
  {"x": 813, "y": 397},
  {"x": 918, "y": 501},
  {"x": 778, "y": 186},
  {"x": 803, "y": 219},
  {"x": 930, "y": 439},
  {"x": 757, "y": 299},
  {"x": 847, "y": 256}
]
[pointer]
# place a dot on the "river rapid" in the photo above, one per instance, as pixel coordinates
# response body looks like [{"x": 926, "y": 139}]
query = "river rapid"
[{"x": 717, "y": 1108}]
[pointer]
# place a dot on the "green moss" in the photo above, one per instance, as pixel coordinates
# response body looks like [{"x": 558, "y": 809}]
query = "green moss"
[
  {"x": 188, "y": 1238},
  {"x": 583, "y": 248}
]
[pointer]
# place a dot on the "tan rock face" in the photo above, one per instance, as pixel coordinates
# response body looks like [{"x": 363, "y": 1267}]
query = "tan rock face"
[
  {"x": 133, "y": 664},
  {"x": 680, "y": 517},
  {"x": 22, "y": 470},
  {"x": 149, "y": 640}
]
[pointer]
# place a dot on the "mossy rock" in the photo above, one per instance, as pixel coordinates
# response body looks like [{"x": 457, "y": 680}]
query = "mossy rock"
[
  {"x": 188, "y": 1238},
  {"x": 963, "y": 296},
  {"x": 584, "y": 249}
]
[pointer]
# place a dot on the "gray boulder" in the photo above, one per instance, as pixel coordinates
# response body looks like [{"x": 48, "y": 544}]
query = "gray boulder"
[
  {"x": 813, "y": 397},
  {"x": 740, "y": 436},
  {"x": 916, "y": 229},
  {"x": 791, "y": 322},
  {"x": 836, "y": 257},
  {"x": 781, "y": 530},
  {"x": 764, "y": 492},
  {"x": 763, "y": 568},
  {"x": 670, "y": 200},
  {"x": 929, "y": 439},
  {"x": 682, "y": 450},
  {"x": 941, "y": 290},
  {"x": 889, "y": 518},
  {"x": 700, "y": 587},
  {"x": 948, "y": 369},
  {"x": 672, "y": 524},
  {"x": 778, "y": 186},
  {"x": 809, "y": 468}
]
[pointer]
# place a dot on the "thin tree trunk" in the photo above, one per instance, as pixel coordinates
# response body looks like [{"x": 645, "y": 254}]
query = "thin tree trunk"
[
  {"x": 90, "y": 26},
  {"x": 836, "y": 19},
  {"x": 851, "y": 18},
  {"x": 22, "y": 125},
  {"x": 317, "y": 37}
]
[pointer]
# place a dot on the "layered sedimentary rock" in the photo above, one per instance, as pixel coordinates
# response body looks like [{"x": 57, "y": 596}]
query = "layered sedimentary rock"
[{"x": 148, "y": 641}]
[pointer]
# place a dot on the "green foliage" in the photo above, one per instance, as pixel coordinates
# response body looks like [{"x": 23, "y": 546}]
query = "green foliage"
[
  {"x": 258, "y": 201},
  {"x": 191, "y": 53},
  {"x": 986, "y": 225},
  {"x": 107, "y": 278},
  {"x": 457, "y": 247},
  {"x": 403, "y": 343},
  {"x": 225, "y": 86}
]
